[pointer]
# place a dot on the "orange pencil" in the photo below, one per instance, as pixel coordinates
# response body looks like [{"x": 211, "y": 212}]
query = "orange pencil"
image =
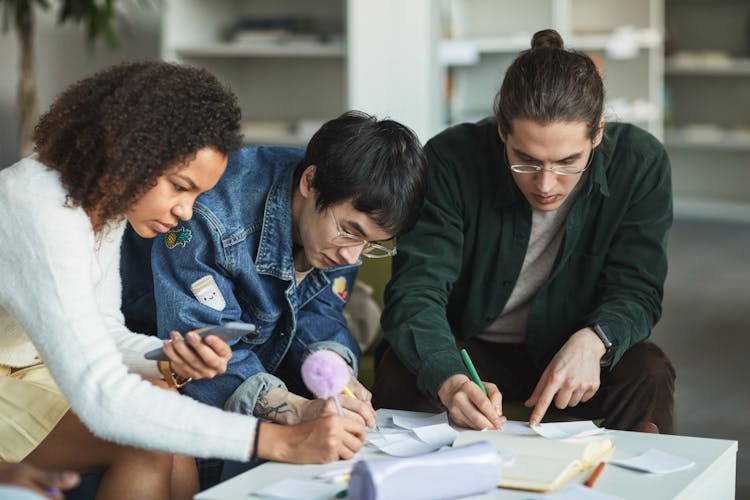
[{"x": 595, "y": 475}]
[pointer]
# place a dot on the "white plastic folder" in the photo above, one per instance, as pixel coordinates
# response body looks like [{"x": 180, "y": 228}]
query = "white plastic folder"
[{"x": 461, "y": 471}]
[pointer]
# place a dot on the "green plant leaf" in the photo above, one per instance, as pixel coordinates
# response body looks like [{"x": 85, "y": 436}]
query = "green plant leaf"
[{"x": 96, "y": 16}]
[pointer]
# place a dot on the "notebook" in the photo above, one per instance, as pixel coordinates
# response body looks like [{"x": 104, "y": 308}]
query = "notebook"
[{"x": 541, "y": 464}]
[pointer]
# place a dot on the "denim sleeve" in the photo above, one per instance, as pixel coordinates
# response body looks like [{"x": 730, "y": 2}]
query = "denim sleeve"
[
  {"x": 321, "y": 323},
  {"x": 345, "y": 352},
  {"x": 193, "y": 288},
  {"x": 245, "y": 397}
]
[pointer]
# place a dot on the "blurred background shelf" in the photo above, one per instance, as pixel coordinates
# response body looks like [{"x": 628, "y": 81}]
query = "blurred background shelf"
[
  {"x": 318, "y": 58},
  {"x": 707, "y": 77},
  {"x": 721, "y": 66},
  {"x": 514, "y": 43},
  {"x": 644, "y": 38},
  {"x": 269, "y": 52},
  {"x": 240, "y": 49},
  {"x": 699, "y": 207},
  {"x": 720, "y": 140},
  {"x": 480, "y": 38}
]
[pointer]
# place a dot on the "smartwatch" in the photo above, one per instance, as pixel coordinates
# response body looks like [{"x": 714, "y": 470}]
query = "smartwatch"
[{"x": 602, "y": 332}]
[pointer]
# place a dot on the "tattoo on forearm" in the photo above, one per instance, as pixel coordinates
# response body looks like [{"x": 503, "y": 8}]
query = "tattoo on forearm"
[{"x": 264, "y": 409}]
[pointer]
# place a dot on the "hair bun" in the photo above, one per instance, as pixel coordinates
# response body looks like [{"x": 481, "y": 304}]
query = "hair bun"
[{"x": 547, "y": 39}]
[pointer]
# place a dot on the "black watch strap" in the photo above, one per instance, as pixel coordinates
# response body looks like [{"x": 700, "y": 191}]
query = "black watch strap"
[{"x": 603, "y": 333}]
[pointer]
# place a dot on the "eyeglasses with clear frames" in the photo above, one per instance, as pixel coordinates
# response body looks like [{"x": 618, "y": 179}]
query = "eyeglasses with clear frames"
[
  {"x": 371, "y": 250},
  {"x": 558, "y": 169}
]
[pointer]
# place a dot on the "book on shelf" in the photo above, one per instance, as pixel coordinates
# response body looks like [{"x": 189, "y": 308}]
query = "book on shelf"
[{"x": 541, "y": 464}]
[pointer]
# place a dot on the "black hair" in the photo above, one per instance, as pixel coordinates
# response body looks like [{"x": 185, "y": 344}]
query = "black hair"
[
  {"x": 111, "y": 135},
  {"x": 548, "y": 83},
  {"x": 377, "y": 164}
]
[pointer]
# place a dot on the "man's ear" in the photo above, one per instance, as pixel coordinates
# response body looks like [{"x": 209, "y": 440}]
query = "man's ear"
[
  {"x": 306, "y": 181},
  {"x": 599, "y": 133},
  {"x": 501, "y": 134}
]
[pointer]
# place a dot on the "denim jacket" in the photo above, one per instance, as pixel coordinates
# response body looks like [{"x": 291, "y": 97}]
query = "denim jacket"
[{"x": 233, "y": 261}]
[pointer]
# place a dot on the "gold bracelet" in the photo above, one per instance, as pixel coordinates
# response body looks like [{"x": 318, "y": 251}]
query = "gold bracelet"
[{"x": 170, "y": 377}]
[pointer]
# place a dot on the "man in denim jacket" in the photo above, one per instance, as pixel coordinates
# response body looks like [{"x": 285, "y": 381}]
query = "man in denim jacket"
[{"x": 277, "y": 243}]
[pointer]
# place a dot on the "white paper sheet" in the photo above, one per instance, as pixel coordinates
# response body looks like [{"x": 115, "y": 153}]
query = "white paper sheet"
[
  {"x": 552, "y": 430},
  {"x": 562, "y": 430},
  {"x": 655, "y": 461},
  {"x": 436, "y": 435},
  {"x": 517, "y": 427},
  {"x": 415, "y": 422},
  {"x": 407, "y": 448},
  {"x": 298, "y": 488},
  {"x": 384, "y": 438},
  {"x": 409, "y": 436}
]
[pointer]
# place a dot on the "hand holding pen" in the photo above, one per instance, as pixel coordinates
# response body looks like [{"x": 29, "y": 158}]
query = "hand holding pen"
[
  {"x": 470, "y": 402},
  {"x": 328, "y": 376}
]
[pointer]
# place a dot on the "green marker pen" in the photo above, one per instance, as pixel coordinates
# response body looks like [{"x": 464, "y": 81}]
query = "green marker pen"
[{"x": 472, "y": 370}]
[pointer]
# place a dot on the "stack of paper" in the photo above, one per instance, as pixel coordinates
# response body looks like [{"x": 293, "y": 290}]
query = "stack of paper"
[{"x": 409, "y": 436}]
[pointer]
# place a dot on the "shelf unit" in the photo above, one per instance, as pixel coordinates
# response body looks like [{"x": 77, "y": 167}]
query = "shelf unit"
[
  {"x": 285, "y": 87},
  {"x": 288, "y": 88},
  {"x": 707, "y": 74},
  {"x": 289, "y": 49},
  {"x": 728, "y": 66},
  {"x": 482, "y": 37}
]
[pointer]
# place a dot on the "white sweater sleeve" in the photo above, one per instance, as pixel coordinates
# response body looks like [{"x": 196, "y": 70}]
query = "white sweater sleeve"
[
  {"x": 48, "y": 264},
  {"x": 131, "y": 345}
]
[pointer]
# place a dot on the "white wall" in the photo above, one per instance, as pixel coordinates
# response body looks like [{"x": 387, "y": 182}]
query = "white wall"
[{"x": 62, "y": 57}]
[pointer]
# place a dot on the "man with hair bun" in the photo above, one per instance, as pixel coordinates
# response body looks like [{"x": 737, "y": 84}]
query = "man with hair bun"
[{"x": 542, "y": 251}]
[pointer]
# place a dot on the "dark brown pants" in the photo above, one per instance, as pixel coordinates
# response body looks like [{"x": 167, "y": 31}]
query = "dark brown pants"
[{"x": 640, "y": 388}]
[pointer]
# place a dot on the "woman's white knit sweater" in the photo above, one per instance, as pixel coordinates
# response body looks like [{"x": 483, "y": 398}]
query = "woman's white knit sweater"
[{"x": 60, "y": 298}]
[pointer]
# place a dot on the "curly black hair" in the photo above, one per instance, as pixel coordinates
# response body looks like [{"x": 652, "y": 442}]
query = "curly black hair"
[{"x": 111, "y": 135}]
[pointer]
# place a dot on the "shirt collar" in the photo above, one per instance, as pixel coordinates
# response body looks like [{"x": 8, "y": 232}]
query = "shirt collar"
[{"x": 598, "y": 175}]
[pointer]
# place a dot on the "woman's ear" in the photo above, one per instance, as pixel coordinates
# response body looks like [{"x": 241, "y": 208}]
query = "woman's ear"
[{"x": 306, "y": 181}]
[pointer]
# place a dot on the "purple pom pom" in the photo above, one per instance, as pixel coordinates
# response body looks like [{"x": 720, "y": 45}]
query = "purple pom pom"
[{"x": 325, "y": 373}]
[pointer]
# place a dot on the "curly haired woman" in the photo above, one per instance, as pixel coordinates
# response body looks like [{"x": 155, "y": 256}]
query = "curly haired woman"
[{"x": 135, "y": 143}]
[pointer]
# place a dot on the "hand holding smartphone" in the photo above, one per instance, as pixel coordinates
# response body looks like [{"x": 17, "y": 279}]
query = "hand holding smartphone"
[{"x": 226, "y": 332}]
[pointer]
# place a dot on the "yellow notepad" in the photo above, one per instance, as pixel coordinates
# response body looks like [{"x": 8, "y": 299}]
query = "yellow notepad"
[{"x": 541, "y": 464}]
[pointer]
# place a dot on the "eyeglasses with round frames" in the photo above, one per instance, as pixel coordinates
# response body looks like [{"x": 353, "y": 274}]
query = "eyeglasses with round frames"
[
  {"x": 558, "y": 169},
  {"x": 371, "y": 250}
]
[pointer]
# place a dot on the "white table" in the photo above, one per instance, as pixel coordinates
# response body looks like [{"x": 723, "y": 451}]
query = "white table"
[{"x": 712, "y": 477}]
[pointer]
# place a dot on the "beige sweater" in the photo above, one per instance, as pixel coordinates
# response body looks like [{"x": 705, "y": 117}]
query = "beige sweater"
[{"x": 60, "y": 298}]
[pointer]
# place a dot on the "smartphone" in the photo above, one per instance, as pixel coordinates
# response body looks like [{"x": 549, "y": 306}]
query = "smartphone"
[{"x": 226, "y": 332}]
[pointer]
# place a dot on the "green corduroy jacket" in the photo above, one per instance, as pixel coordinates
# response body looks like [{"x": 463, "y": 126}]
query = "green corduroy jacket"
[{"x": 456, "y": 269}]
